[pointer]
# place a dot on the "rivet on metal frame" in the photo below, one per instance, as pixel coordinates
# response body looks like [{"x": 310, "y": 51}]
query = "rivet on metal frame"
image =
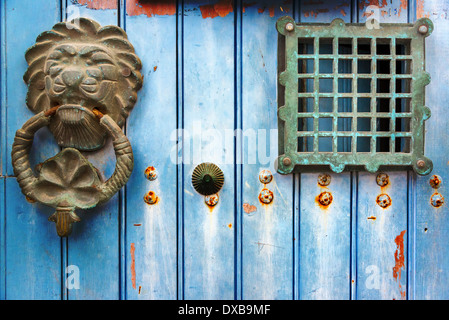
[
  {"x": 383, "y": 200},
  {"x": 266, "y": 196},
  {"x": 437, "y": 200},
  {"x": 324, "y": 180},
  {"x": 265, "y": 176},
  {"x": 151, "y": 173}
]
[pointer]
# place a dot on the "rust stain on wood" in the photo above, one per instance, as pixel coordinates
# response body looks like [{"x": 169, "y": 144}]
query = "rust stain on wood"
[
  {"x": 99, "y": 4},
  {"x": 220, "y": 9},
  {"x": 420, "y": 10},
  {"x": 151, "y": 8},
  {"x": 399, "y": 259},
  {"x": 133, "y": 265}
]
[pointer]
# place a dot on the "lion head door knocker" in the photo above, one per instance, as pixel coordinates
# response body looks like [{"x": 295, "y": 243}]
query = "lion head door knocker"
[{"x": 82, "y": 83}]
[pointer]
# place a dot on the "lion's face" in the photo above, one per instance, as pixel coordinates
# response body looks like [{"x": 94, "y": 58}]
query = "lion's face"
[
  {"x": 80, "y": 74},
  {"x": 96, "y": 70}
]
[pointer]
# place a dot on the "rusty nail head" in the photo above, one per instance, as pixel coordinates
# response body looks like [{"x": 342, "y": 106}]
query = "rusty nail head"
[
  {"x": 325, "y": 198},
  {"x": 383, "y": 200},
  {"x": 289, "y": 26},
  {"x": 126, "y": 72},
  {"x": 324, "y": 179},
  {"x": 382, "y": 179},
  {"x": 211, "y": 200},
  {"x": 423, "y": 29},
  {"x": 265, "y": 176},
  {"x": 150, "y": 198},
  {"x": 437, "y": 200},
  {"x": 435, "y": 181},
  {"x": 287, "y": 161},
  {"x": 266, "y": 196},
  {"x": 151, "y": 173}
]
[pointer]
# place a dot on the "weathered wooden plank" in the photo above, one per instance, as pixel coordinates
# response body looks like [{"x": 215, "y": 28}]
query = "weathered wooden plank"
[
  {"x": 93, "y": 245},
  {"x": 33, "y": 268},
  {"x": 151, "y": 230},
  {"x": 381, "y": 234},
  {"x": 325, "y": 232},
  {"x": 432, "y": 258},
  {"x": 208, "y": 116},
  {"x": 382, "y": 239},
  {"x": 267, "y": 231}
]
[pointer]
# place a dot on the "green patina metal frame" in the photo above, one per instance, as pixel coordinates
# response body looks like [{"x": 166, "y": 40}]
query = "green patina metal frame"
[{"x": 404, "y": 147}]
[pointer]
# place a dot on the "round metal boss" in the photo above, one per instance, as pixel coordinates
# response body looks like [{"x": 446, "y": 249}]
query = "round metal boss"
[{"x": 207, "y": 179}]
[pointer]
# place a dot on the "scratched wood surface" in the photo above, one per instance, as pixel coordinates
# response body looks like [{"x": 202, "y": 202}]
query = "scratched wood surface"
[{"x": 210, "y": 68}]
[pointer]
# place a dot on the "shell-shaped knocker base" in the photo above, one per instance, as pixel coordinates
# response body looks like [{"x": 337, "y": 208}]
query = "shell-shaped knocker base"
[{"x": 68, "y": 181}]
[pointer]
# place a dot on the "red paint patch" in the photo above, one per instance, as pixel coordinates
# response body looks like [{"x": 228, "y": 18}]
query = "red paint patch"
[
  {"x": 399, "y": 261},
  {"x": 151, "y": 8},
  {"x": 220, "y": 9},
  {"x": 133, "y": 265},
  {"x": 271, "y": 11},
  {"x": 99, "y": 4}
]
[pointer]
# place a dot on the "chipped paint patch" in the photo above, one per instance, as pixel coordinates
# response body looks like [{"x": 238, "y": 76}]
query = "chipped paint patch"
[
  {"x": 99, "y": 4},
  {"x": 249, "y": 208},
  {"x": 314, "y": 13},
  {"x": 151, "y": 8},
  {"x": 220, "y": 9},
  {"x": 133, "y": 265},
  {"x": 399, "y": 259}
]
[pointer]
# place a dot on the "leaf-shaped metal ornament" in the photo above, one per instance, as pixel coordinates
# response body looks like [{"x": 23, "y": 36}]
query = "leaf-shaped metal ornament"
[{"x": 67, "y": 182}]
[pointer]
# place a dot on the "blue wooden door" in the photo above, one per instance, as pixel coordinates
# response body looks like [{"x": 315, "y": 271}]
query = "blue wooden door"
[{"x": 209, "y": 95}]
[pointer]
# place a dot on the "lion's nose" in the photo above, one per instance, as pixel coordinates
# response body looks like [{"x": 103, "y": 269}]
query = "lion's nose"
[{"x": 72, "y": 78}]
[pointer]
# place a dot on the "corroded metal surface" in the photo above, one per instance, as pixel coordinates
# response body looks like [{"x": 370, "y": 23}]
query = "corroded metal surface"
[
  {"x": 382, "y": 179},
  {"x": 383, "y": 200},
  {"x": 82, "y": 67},
  {"x": 324, "y": 180},
  {"x": 82, "y": 83},
  {"x": 352, "y": 97},
  {"x": 265, "y": 176},
  {"x": 266, "y": 196},
  {"x": 151, "y": 173},
  {"x": 150, "y": 198},
  {"x": 68, "y": 181}
]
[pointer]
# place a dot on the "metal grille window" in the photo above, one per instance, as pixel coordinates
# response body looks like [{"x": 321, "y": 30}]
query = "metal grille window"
[{"x": 351, "y": 97}]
